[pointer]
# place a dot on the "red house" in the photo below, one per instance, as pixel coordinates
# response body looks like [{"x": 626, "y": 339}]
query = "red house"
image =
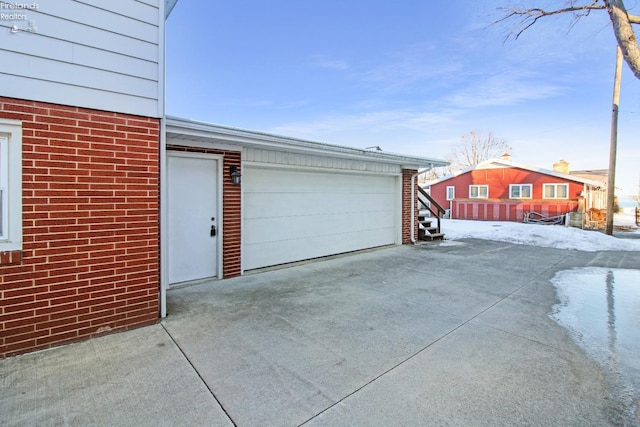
[{"x": 502, "y": 190}]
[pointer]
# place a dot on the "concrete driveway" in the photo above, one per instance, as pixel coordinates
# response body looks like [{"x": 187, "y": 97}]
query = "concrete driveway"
[{"x": 451, "y": 333}]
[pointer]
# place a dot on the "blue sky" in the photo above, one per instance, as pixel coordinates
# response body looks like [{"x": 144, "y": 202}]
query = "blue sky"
[{"x": 411, "y": 76}]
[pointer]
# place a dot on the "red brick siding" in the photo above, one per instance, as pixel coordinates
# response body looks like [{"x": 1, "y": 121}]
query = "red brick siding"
[
  {"x": 90, "y": 258},
  {"x": 10, "y": 257},
  {"x": 232, "y": 213},
  {"x": 406, "y": 207}
]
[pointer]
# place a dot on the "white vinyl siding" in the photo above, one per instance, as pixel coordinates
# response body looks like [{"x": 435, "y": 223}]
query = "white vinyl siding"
[
  {"x": 10, "y": 185},
  {"x": 520, "y": 191},
  {"x": 96, "y": 54},
  {"x": 478, "y": 191},
  {"x": 555, "y": 191},
  {"x": 274, "y": 157},
  {"x": 293, "y": 214},
  {"x": 451, "y": 192}
]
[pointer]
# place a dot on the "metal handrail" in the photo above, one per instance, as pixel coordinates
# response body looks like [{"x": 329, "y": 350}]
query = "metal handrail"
[{"x": 439, "y": 212}]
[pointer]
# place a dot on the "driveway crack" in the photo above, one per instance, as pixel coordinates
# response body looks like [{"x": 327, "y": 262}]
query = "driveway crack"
[
  {"x": 198, "y": 374},
  {"x": 402, "y": 362}
]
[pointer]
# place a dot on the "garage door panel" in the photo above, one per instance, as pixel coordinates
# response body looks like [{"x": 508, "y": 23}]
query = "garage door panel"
[
  {"x": 311, "y": 226},
  {"x": 269, "y": 205},
  {"x": 291, "y": 215},
  {"x": 278, "y": 180},
  {"x": 264, "y": 254}
]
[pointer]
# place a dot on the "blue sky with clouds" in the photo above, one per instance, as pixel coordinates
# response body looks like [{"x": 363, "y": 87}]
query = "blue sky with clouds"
[{"x": 411, "y": 76}]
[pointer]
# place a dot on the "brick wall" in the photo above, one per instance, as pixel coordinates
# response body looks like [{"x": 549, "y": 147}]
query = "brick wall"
[
  {"x": 406, "y": 207},
  {"x": 232, "y": 213},
  {"x": 90, "y": 258}
]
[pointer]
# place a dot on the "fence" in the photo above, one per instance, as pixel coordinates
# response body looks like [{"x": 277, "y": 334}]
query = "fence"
[{"x": 501, "y": 210}]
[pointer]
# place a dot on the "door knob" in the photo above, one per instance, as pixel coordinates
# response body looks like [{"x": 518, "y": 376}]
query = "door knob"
[{"x": 213, "y": 231}]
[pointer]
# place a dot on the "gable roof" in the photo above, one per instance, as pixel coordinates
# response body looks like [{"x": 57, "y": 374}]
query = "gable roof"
[
  {"x": 206, "y": 132},
  {"x": 168, "y": 7},
  {"x": 502, "y": 163}
]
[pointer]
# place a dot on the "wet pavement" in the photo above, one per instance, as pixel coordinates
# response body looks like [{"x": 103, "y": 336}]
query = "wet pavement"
[
  {"x": 453, "y": 333},
  {"x": 601, "y": 309}
]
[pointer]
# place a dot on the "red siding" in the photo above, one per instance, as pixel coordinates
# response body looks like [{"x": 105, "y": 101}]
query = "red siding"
[
  {"x": 90, "y": 258},
  {"x": 232, "y": 213},
  {"x": 499, "y": 207}
]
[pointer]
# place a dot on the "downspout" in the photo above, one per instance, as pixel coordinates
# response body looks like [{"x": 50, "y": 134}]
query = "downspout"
[
  {"x": 162, "y": 205},
  {"x": 413, "y": 202},
  {"x": 163, "y": 220}
]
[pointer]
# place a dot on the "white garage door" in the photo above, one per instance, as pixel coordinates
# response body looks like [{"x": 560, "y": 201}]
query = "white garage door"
[{"x": 292, "y": 215}]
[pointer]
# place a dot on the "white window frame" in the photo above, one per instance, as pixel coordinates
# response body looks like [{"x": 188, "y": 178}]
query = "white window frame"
[
  {"x": 479, "y": 188},
  {"x": 451, "y": 192},
  {"x": 11, "y": 184},
  {"x": 520, "y": 187},
  {"x": 555, "y": 191}
]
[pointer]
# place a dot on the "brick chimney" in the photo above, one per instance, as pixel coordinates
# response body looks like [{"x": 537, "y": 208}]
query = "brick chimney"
[{"x": 562, "y": 166}]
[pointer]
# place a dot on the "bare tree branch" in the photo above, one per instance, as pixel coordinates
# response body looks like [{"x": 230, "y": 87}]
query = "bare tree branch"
[
  {"x": 475, "y": 148},
  {"x": 531, "y": 16},
  {"x": 621, "y": 20},
  {"x": 471, "y": 150}
]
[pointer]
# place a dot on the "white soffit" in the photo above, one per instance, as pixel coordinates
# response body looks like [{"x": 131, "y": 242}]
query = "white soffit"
[{"x": 182, "y": 129}]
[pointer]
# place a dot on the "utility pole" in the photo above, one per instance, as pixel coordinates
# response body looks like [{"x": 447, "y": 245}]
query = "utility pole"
[{"x": 611, "y": 181}]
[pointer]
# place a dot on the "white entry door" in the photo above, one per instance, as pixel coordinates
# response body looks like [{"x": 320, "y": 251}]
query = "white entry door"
[{"x": 192, "y": 181}]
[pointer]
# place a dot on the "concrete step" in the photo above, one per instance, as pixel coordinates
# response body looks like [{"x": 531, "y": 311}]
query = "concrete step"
[{"x": 426, "y": 236}]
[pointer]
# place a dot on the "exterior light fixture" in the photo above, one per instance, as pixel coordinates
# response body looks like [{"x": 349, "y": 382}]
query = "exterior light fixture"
[{"x": 236, "y": 177}]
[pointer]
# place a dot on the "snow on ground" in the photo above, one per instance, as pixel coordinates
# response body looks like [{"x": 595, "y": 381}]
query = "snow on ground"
[{"x": 551, "y": 236}]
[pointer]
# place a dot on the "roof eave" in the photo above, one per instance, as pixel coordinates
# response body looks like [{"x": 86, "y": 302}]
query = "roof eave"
[
  {"x": 222, "y": 134},
  {"x": 510, "y": 164}
]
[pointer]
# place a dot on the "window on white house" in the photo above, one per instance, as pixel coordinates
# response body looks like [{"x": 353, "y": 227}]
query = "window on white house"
[
  {"x": 4, "y": 182},
  {"x": 10, "y": 185},
  {"x": 451, "y": 192},
  {"x": 478, "y": 191},
  {"x": 555, "y": 191},
  {"x": 520, "y": 191}
]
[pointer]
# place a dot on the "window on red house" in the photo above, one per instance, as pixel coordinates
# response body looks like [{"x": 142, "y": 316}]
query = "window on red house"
[
  {"x": 555, "y": 191},
  {"x": 520, "y": 191},
  {"x": 478, "y": 191},
  {"x": 451, "y": 192}
]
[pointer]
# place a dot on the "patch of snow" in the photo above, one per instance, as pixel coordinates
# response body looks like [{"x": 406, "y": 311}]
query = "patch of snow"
[
  {"x": 626, "y": 218},
  {"x": 550, "y": 236}
]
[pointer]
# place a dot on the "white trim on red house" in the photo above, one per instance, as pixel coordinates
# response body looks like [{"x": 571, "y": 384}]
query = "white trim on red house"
[
  {"x": 555, "y": 186},
  {"x": 520, "y": 187},
  {"x": 479, "y": 188}
]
